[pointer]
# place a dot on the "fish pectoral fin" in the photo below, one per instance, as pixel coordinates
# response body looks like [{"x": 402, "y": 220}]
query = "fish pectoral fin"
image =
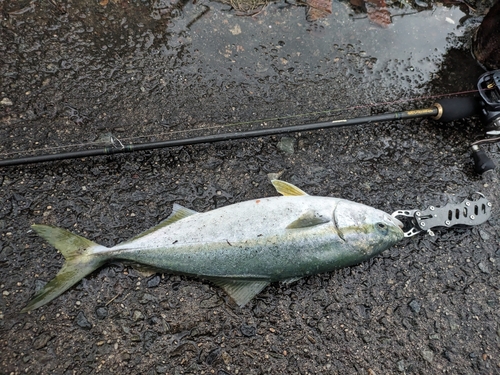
[
  {"x": 292, "y": 280},
  {"x": 308, "y": 219},
  {"x": 143, "y": 270},
  {"x": 241, "y": 291},
  {"x": 178, "y": 212},
  {"x": 287, "y": 189}
]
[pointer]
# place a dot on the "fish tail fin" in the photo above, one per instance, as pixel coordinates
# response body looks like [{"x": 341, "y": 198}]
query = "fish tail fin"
[{"x": 80, "y": 261}]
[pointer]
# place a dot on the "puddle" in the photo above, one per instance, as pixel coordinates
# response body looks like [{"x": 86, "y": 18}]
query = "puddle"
[
  {"x": 281, "y": 45},
  {"x": 145, "y": 72}
]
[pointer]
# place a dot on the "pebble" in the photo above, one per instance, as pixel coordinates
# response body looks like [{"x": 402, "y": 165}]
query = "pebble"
[
  {"x": 226, "y": 358},
  {"x": 153, "y": 281},
  {"x": 401, "y": 366},
  {"x": 248, "y": 330},
  {"x": 137, "y": 316},
  {"x": 149, "y": 339},
  {"x": 154, "y": 320},
  {"x": 41, "y": 341},
  {"x": 454, "y": 325},
  {"x": 428, "y": 355},
  {"x": 147, "y": 298},
  {"x": 161, "y": 369},
  {"x": 212, "y": 356},
  {"x": 484, "y": 235},
  {"x": 82, "y": 321},
  {"x": 236, "y": 30},
  {"x": 483, "y": 267},
  {"x": 415, "y": 306},
  {"x": 101, "y": 312},
  {"x": 448, "y": 355},
  {"x": 6, "y": 101},
  {"x": 287, "y": 145}
]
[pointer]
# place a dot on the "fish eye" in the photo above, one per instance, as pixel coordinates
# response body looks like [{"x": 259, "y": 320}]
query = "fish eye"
[{"x": 381, "y": 227}]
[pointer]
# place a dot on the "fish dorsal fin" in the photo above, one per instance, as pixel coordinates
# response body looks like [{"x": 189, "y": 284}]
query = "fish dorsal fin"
[
  {"x": 241, "y": 291},
  {"x": 178, "y": 213},
  {"x": 308, "y": 219},
  {"x": 287, "y": 189}
]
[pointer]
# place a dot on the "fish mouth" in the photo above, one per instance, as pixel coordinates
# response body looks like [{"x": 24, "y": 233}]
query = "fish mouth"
[
  {"x": 399, "y": 223},
  {"x": 391, "y": 219}
]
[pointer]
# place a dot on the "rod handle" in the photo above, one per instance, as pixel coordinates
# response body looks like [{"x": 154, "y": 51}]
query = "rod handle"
[{"x": 450, "y": 109}]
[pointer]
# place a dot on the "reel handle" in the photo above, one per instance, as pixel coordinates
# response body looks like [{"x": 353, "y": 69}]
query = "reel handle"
[
  {"x": 450, "y": 109},
  {"x": 482, "y": 162}
]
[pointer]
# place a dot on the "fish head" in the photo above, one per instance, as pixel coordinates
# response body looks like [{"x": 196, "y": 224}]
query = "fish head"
[{"x": 367, "y": 230}]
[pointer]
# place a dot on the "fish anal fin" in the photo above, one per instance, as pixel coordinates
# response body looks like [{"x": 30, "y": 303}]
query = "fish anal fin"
[
  {"x": 287, "y": 189},
  {"x": 178, "y": 213},
  {"x": 241, "y": 291},
  {"x": 308, "y": 219}
]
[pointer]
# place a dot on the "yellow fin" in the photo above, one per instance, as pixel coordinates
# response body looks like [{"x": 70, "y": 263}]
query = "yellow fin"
[
  {"x": 80, "y": 261},
  {"x": 178, "y": 213},
  {"x": 286, "y": 189},
  {"x": 241, "y": 291}
]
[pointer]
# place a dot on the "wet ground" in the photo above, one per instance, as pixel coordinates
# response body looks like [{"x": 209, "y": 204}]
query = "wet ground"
[{"x": 75, "y": 73}]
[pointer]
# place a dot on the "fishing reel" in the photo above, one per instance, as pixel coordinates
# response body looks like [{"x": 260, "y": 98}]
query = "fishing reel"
[{"x": 489, "y": 89}]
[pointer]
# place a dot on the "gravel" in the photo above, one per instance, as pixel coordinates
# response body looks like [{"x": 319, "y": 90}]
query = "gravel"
[{"x": 78, "y": 70}]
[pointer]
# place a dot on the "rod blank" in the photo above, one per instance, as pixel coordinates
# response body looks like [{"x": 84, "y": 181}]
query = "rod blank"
[{"x": 426, "y": 112}]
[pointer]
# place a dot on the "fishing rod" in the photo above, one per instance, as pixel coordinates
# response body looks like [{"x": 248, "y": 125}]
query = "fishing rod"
[{"x": 445, "y": 110}]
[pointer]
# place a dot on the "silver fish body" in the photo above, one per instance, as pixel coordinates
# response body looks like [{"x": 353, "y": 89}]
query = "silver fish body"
[
  {"x": 250, "y": 240},
  {"x": 245, "y": 246}
]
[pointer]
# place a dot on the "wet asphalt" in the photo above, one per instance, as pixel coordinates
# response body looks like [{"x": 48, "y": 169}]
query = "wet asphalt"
[{"x": 82, "y": 74}]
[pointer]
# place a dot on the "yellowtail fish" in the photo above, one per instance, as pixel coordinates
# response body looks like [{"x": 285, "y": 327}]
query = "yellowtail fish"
[{"x": 242, "y": 247}]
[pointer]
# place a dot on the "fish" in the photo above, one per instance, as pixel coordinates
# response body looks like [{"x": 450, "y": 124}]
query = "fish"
[{"x": 242, "y": 247}]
